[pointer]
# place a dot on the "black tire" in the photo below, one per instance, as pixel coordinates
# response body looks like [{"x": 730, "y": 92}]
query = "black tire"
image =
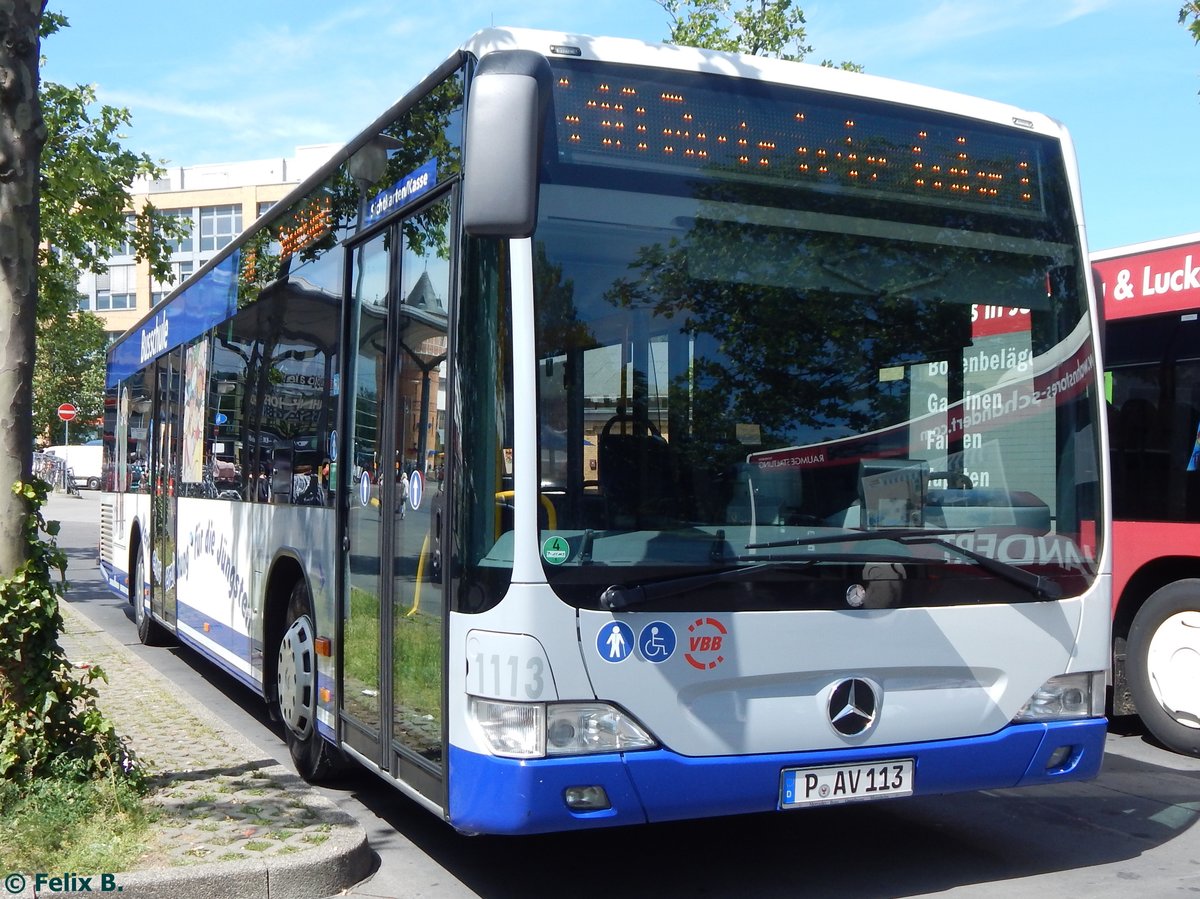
[
  {"x": 1163, "y": 665},
  {"x": 316, "y": 760},
  {"x": 149, "y": 631},
  {"x": 93, "y": 483}
]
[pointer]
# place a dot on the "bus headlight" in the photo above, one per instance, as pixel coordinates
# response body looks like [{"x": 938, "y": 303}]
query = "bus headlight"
[
  {"x": 535, "y": 730},
  {"x": 514, "y": 730},
  {"x": 573, "y": 728},
  {"x": 1066, "y": 697}
]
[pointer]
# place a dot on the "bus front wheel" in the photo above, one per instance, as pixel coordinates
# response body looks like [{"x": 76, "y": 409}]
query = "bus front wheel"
[
  {"x": 1163, "y": 665},
  {"x": 296, "y": 690},
  {"x": 149, "y": 631}
]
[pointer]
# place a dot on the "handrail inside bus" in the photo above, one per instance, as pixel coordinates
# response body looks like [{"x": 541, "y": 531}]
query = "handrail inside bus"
[{"x": 551, "y": 514}]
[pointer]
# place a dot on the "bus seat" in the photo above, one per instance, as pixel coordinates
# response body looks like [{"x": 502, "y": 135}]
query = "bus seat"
[{"x": 635, "y": 473}]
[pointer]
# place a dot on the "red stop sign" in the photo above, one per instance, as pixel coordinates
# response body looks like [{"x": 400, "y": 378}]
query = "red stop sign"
[{"x": 66, "y": 411}]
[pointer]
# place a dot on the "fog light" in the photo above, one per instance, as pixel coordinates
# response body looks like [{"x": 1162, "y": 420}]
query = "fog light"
[
  {"x": 586, "y": 799},
  {"x": 1059, "y": 757}
]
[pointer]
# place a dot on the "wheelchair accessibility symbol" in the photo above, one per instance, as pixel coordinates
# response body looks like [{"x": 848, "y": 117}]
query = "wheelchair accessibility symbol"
[{"x": 657, "y": 642}]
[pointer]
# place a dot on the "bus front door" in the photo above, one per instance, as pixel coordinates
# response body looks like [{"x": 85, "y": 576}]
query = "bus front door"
[
  {"x": 164, "y": 486},
  {"x": 392, "y": 672}
]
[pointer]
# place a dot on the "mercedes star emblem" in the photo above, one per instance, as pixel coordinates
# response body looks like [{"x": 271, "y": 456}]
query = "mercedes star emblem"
[{"x": 852, "y": 707}]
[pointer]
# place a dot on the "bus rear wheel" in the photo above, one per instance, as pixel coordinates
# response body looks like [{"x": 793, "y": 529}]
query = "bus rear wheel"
[
  {"x": 296, "y": 690},
  {"x": 1163, "y": 665}
]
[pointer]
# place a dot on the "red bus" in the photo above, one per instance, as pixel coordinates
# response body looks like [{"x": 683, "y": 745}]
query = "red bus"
[{"x": 1151, "y": 294}]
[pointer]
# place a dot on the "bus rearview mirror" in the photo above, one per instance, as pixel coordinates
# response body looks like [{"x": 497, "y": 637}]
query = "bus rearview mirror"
[{"x": 505, "y": 113}]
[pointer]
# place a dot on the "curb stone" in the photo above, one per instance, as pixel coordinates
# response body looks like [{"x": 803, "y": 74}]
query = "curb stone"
[{"x": 232, "y": 822}]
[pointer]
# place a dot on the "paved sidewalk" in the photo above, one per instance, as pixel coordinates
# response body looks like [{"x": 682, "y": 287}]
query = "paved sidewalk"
[{"x": 232, "y": 822}]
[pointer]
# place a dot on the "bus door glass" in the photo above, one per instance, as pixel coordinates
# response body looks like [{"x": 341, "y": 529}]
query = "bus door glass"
[
  {"x": 392, "y": 668},
  {"x": 360, "y": 689},
  {"x": 164, "y": 483},
  {"x": 418, "y": 608}
]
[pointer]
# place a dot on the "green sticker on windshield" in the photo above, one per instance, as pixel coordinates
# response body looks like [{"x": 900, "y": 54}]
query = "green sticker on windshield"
[{"x": 556, "y": 550}]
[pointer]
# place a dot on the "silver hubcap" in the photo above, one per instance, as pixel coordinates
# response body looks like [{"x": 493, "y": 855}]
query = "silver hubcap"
[
  {"x": 296, "y": 677},
  {"x": 1173, "y": 662},
  {"x": 141, "y": 596}
]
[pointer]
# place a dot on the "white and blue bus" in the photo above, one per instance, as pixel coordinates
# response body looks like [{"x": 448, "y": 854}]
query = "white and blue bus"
[{"x": 616, "y": 433}]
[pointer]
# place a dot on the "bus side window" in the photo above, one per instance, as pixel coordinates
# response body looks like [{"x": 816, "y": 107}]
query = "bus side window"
[{"x": 281, "y": 477}]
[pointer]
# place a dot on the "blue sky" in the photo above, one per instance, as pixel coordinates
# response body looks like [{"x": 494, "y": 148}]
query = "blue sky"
[{"x": 221, "y": 81}]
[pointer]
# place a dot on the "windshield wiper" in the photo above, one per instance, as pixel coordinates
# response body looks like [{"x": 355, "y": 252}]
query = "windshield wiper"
[
  {"x": 619, "y": 597},
  {"x": 1035, "y": 584},
  {"x": 1038, "y": 586},
  {"x": 896, "y": 535}
]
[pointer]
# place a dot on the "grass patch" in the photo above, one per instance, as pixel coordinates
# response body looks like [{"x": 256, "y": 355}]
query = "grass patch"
[
  {"x": 416, "y": 653},
  {"x": 64, "y": 824}
]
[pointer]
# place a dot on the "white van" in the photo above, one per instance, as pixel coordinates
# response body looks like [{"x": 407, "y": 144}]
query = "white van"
[{"x": 84, "y": 460}]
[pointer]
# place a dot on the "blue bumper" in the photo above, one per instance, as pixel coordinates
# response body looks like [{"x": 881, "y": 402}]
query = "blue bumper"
[{"x": 505, "y": 796}]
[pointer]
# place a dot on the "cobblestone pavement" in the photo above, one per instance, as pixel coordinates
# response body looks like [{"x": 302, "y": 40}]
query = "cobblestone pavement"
[{"x": 231, "y": 821}]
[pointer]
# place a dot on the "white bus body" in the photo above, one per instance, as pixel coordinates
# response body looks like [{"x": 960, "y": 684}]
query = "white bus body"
[{"x": 749, "y": 422}]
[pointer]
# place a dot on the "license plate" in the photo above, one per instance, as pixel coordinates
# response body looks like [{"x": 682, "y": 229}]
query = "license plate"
[{"x": 846, "y": 783}]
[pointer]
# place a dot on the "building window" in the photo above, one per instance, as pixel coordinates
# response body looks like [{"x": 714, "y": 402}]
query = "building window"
[
  {"x": 273, "y": 248},
  {"x": 107, "y": 301},
  {"x": 219, "y": 225},
  {"x": 159, "y": 290},
  {"x": 116, "y": 288},
  {"x": 186, "y": 218},
  {"x": 85, "y": 302},
  {"x": 125, "y": 247}
]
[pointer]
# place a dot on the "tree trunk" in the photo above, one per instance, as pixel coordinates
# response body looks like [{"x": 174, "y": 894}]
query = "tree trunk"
[{"x": 22, "y": 134}]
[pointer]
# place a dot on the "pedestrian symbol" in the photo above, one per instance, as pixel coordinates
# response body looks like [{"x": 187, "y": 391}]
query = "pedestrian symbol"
[
  {"x": 657, "y": 642},
  {"x": 615, "y": 641}
]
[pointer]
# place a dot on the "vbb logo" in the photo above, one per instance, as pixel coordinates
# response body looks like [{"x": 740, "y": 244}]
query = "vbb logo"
[{"x": 706, "y": 637}]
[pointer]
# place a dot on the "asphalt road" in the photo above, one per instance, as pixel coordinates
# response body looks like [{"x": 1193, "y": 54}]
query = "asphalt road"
[{"x": 1131, "y": 832}]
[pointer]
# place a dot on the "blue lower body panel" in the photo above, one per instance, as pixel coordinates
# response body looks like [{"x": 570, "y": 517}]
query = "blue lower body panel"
[
  {"x": 117, "y": 581},
  {"x": 507, "y": 796}
]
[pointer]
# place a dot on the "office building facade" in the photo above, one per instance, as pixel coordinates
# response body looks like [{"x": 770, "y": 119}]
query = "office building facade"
[{"x": 215, "y": 202}]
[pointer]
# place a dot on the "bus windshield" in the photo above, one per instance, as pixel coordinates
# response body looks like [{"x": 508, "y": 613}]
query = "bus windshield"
[{"x": 783, "y": 314}]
